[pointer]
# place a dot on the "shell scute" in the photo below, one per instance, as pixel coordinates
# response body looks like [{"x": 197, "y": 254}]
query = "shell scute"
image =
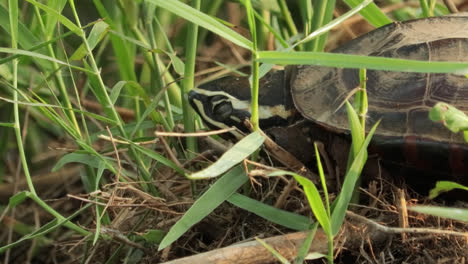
[{"x": 401, "y": 99}]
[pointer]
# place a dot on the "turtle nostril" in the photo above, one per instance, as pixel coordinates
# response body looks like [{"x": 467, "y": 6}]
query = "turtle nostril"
[{"x": 192, "y": 94}]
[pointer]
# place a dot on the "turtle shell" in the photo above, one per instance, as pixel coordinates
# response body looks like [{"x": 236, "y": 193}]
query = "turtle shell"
[{"x": 401, "y": 100}]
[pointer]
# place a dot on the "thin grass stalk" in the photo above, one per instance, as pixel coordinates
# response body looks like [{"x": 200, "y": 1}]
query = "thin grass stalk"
[
  {"x": 188, "y": 82},
  {"x": 36, "y": 47},
  {"x": 59, "y": 217},
  {"x": 306, "y": 10},
  {"x": 13, "y": 10},
  {"x": 114, "y": 114},
  {"x": 173, "y": 91},
  {"x": 317, "y": 21},
  {"x": 270, "y": 29},
  {"x": 255, "y": 67},
  {"x": 287, "y": 17},
  {"x": 212, "y": 7},
  {"x": 425, "y": 8},
  {"x": 327, "y": 203},
  {"x": 91, "y": 174},
  {"x": 323, "y": 12},
  {"x": 126, "y": 69},
  {"x": 327, "y": 18},
  {"x": 58, "y": 75},
  {"x": 361, "y": 97},
  {"x": 156, "y": 77},
  {"x": 262, "y": 35},
  {"x": 361, "y": 106}
]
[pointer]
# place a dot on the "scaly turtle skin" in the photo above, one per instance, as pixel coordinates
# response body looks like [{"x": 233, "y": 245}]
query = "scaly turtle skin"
[{"x": 401, "y": 100}]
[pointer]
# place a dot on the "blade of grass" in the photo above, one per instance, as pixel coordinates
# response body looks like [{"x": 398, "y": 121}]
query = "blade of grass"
[
  {"x": 122, "y": 51},
  {"x": 307, "y": 11},
  {"x": 273, "y": 251},
  {"x": 445, "y": 186},
  {"x": 358, "y": 61},
  {"x": 255, "y": 80},
  {"x": 287, "y": 17},
  {"x": 371, "y": 13},
  {"x": 188, "y": 82},
  {"x": 159, "y": 158},
  {"x": 13, "y": 14},
  {"x": 313, "y": 196},
  {"x": 45, "y": 229},
  {"x": 270, "y": 213},
  {"x": 446, "y": 212},
  {"x": 65, "y": 21},
  {"x": 315, "y": 202},
  {"x": 40, "y": 56},
  {"x": 100, "y": 90},
  {"x": 221, "y": 190},
  {"x": 240, "y": 151},
  {"x": 77, "y": 157},
  {"x": 335, "y": 22},
  {"x": 341, "y": 203},
  {"x": 304, "y": 249},
  {"x": 51, "y": 21},
  {"x": 323, "y": 13},
  {"x": 203, "y": 20}
]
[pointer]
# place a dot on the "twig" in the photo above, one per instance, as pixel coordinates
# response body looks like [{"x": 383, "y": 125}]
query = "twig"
[
  {"x": 403, "y": 213},
  {"x": 107, "y": 138},
  {"x": 195, "y": 134},
  {"x": 400, "y": 230}
]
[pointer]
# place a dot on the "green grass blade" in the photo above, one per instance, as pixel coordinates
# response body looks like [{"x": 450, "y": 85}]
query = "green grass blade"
[
  {"x": 323, "y": 12},
  {"x": 40, "y": 56},
  {"x": 98, "y": 32},
  {"x": 357, "y": 133},
  {"x": 45, "y": 229},
  {"x": 188, "y": 82},
  {"x": 316, "y": 204},
  {"x": 273, "y": 251},
  {"x": 358, "y": 61},
  {"x": 446, "y": 212},
  {"x": 159, "y": 158},
  {"x": 3, "y": 124},
  {"x": 371, "y": 13},
  {"x": 26, "y": 38},
  {"x": 221, "y": 190},
  {"x": 322, "y": 179},
  {"x": 63, "y": 20},
  {"x": 255, "y": 80},
  {"x": 341, "y": 203},
  {"x": 335, "y": 22},
  {"x": 313, "y": 196},
  {"x": 270, "y": 213},
  {"x": 286, "y": 15},
  {"x": 76, "y": 157},
  {"x": 304, "y": 249},
  {"x": 203, "y": 20},
  {"x": 51, "y": 21},
  {"x": 240, "y": 151},
  {"x": 445, "y": 186}
]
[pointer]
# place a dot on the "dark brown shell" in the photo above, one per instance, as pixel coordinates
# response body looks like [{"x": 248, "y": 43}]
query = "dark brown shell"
[{"x": 400, "y": 99}]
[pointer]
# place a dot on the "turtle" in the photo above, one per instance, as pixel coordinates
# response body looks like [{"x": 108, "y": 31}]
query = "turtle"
[{"x": 312, "y": 96}]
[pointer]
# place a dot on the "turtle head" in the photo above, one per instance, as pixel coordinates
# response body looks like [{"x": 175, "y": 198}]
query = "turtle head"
[
  {"x": 225, "y": 102},
  {"x": 220, "y": 110}
]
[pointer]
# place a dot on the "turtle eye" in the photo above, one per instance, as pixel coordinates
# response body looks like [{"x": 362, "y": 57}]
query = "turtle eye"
[
  {"x": 222, "y": 110},
  {"x": 217, "y": 99}
]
